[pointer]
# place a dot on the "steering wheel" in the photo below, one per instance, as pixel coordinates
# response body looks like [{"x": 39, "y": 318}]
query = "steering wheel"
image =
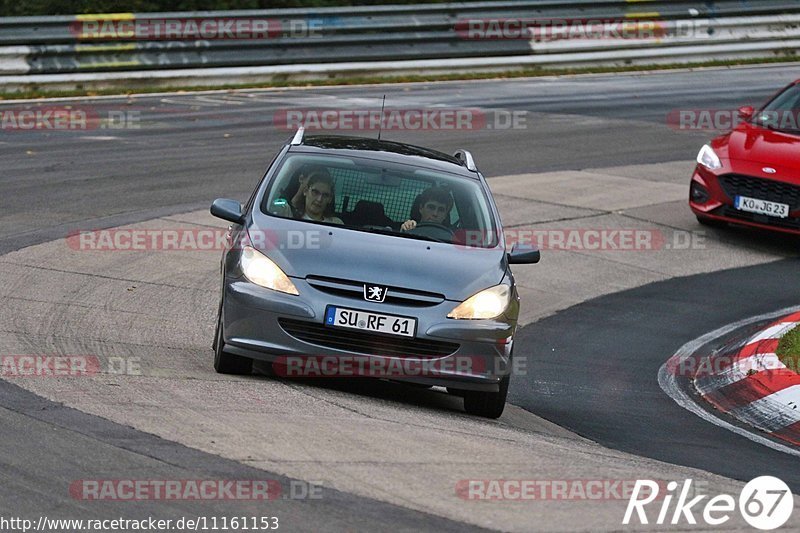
[{"x": 439, "y": 232}]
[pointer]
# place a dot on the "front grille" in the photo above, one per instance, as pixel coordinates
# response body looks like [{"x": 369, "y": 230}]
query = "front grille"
[
  {"x": 355, "y": 290},
  {"x": 365, "y": 343},
  {"x": 730, "y": 212},
  {"x": 763, "y": 189}
]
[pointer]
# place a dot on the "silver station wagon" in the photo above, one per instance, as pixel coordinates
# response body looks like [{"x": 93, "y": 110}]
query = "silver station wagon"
[{"x": 368, "y": 258}]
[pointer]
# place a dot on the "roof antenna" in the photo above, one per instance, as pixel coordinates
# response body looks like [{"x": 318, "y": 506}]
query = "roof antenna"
[{"x": 380, "y": 126}]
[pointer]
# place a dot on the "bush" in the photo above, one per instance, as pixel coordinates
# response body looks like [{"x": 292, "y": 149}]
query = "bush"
[{"x": 789, "y": 349}]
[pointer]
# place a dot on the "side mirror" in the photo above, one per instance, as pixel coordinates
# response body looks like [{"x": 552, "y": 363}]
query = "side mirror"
[
  {"x": 226, "y": 209},
  {"x": 523, "y": 257},
  {"x": 746, "y": 112}
]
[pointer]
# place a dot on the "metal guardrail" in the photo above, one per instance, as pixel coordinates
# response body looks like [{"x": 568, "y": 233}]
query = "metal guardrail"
[{"x": 405, "y": 34}]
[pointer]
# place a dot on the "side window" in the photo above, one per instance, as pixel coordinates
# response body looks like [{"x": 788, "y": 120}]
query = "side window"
[
  {"x": 287, "y": 194},
  {"x": 284, "y": 187},
  {"x": 249, "y": 205}
]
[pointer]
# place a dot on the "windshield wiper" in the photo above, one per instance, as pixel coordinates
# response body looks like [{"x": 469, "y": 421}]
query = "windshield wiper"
[{"x": 421, "y": 237}]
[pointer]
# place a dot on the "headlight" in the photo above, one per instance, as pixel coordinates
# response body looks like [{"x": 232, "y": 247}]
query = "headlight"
[
  {"x": 489, "y": 303},
  {"x": 262, "y": 271},
  {"x": 708, "y": 158}
]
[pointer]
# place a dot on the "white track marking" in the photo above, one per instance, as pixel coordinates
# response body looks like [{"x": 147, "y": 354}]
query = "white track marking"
[
  {"x": 773, "y": 332},
  {"x": 738, "y": 371},
  {"x": 774, "y": 412},
  {"x": 669, "y": 384}
]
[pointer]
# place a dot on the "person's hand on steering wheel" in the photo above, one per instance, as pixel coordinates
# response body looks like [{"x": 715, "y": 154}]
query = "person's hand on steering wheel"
[{"x": 408, "y": 225}]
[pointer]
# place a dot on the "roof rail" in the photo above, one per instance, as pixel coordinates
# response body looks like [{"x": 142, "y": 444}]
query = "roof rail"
[
  {"x": 298, "y": 137},
  {"x": 466, "y": 159}
]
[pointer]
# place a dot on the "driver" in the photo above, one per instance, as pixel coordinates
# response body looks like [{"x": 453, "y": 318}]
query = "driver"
[{"x": 432, "y": 207}]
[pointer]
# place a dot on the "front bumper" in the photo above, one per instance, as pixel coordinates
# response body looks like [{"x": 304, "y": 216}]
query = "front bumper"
[
  {"x": 719, "y": 206},
  {"x": 263, "y": 325}
]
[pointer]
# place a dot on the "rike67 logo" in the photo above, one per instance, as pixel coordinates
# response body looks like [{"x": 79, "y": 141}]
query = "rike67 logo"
[{"x": 765, "y": 503}]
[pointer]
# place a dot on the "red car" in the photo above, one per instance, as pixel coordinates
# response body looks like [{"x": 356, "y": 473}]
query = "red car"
[{"x": 751, "y": 176}]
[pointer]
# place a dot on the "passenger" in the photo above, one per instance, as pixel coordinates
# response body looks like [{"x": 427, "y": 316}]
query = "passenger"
[
  {"x": 293, "y": 193},
  {"x": 431, "y": 206},
  {"x": 319, "y": 198}
]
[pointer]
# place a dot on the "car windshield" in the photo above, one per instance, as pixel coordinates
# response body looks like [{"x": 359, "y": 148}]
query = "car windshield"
[
  {"x": 380, "y": 197},
  {"x": 783, "y": 112}
]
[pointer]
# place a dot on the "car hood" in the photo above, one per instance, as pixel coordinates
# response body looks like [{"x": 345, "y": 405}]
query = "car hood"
[
  {"x": 759, "y": 145},
  {"x": 304, "y": 249}
]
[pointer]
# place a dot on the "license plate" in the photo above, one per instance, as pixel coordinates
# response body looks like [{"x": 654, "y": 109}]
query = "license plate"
[
  {"x": 364, "y": 320},
  {"x": 762, "y": 207}
]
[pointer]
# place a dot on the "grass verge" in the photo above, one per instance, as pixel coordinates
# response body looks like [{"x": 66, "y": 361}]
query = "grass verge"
[
  {"x": 789, "y": 349},
  {"x": 43, "y": 92}
]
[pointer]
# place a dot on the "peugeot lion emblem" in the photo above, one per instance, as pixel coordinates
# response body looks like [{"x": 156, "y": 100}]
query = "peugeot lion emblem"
[
  {"x": 374, "y": 293},
  {"x": 769, "y": 170}
]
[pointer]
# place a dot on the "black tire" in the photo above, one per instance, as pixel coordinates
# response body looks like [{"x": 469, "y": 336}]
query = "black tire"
[
  {"x": 710, "y": 222},
  {"x": 226, "y": 363},
  {"x": 487, "y": 404},
  {"x": 414, "y": 385},
  {"x": 266, "y": 368}
]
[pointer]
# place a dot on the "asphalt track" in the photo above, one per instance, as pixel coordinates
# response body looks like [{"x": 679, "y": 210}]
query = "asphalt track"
[
  {"x": 595, "y": 366},
  {"x": 191, "y": 149},
  {"x": 586, "y": 376},
  {"x": 46, "y": 447}
]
